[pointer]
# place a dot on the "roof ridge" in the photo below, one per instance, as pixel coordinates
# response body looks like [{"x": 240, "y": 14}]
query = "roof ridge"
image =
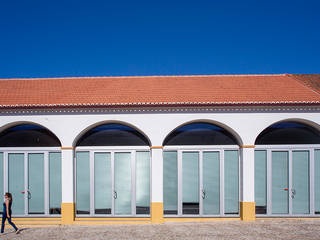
[{"x": 150, "y": 76}]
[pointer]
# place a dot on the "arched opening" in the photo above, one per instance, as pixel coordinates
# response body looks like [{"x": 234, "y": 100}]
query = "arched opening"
[
  {"x": 201, "y": 171},
  {"x": 28, "y": 135},
  {"x": 33, "y": 173},
  {"x": 200, "y": 133},
  {"x": 113, "y": 172},
  {"x": 288, "y": 132},
  {"x": 287, "y": 170},
  {"x": 113, "y": 134}
]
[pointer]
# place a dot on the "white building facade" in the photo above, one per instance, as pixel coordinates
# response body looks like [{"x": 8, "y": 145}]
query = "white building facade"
[{"x": 162, "y": 163}]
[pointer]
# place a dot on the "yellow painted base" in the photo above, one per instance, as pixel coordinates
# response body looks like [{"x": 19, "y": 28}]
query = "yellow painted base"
[
  {"x": 200, "y": 219},
  {"x": 110, "y": 222},
  {"x": 248, "y": 211},
  {"x": 22, "y": 222},
  {"x": 33, "y": 225},
  {"x": 67, "y": 213},
  {"x": 112, "y": 219},
  {"x": 157, "y": 212},
  {"x": 290, "y": 218}
]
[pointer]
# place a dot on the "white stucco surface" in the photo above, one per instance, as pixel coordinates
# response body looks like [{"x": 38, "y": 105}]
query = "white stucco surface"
[{"x": 246, "y": 125}]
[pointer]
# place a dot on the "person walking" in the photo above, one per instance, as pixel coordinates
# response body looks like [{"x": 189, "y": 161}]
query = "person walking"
[{"x": 6, "y": 213}]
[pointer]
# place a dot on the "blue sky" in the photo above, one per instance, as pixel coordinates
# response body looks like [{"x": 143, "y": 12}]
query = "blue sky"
[{"x": 121, "y": 38}]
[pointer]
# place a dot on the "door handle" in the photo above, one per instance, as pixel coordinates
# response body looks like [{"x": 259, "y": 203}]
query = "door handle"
[
  {"x": 203, "y": 193},
  {"x": 293, "y": 192},
  {"x": 29, "y": 194},
  {"x": 115, "y": 195}
]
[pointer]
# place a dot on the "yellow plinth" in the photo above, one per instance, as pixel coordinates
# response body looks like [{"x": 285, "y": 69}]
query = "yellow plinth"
[
  {"x": 157, "y": 212},
  {"x": 248, "y": 211},
  {"x": 67, "y": 213}
]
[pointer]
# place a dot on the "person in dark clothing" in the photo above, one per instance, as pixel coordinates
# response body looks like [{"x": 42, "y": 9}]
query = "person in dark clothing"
[{"x": 6, "y": 213}]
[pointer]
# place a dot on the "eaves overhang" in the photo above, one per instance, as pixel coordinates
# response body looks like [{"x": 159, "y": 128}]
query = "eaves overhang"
[{"x": 159, "y": 104}]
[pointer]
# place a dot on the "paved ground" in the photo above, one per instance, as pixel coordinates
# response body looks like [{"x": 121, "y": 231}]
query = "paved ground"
[{"x": 261, "y": 229}]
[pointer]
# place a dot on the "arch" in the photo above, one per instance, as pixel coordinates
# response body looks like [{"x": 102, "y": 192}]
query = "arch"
[
  {"x": 27, "y": 134},
  {"x": 111, "y": 133},
  {"x": 290, "y": 131},
  {"x": 202, "y": 132}
]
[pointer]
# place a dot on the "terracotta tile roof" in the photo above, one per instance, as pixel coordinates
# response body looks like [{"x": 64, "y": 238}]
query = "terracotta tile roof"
[
  {"x": 158, "y": 90},
  {"x": 311, "y": 80}
]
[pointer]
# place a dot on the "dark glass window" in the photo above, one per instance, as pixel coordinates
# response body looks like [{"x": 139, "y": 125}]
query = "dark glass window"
[
  {"x": 28, "y": 135},
  {"x": 113, "y": 135},
  {"x": 200, "y": 134},
  {"x": 288, "y": 133}
]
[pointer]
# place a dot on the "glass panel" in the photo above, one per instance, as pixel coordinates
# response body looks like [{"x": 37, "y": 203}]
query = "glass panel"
[
  {"x": 36, "y": 183},
  {"x": 190, "y": 183},
  {"x": 142, "y": 182},
  {"x": 83, "y": 182},
  {"x": 170, "y": 182},
  {"x": 280, "y": 183},
  {"x": 1, "y": 177},
  {"x": 289, "y": 133},
  {"x": 260, "y": 181},
  {"x": 200, "y": 134},
  {"x": 28, "y": 135},
  {"x": 55, "y": 183},
  {"x": 16, "y": 181},
  {"x": 317, "y": 181},
  {"x": 211, "y": 183},
  {"x": 102, "y": 183},
  {"x": 113, "y": 135},
  {"x": 231, "y": 182},
  {"x": 300, "y": 182},
  {"x": 122, "y": 184}
]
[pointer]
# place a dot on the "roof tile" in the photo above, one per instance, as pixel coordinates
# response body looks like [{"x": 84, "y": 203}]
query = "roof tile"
[{"x": 160, "y": 90}]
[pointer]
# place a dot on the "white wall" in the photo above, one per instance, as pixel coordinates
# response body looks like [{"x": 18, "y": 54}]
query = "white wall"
[
  {"x": 156, "y": 126},
  {"x": 246, "y": 125}
]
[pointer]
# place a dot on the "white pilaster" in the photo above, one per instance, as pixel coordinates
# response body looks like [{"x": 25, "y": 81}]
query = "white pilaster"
[
  {"x": 157, "y": 175},
  {"x": 247, "y": 174},
  {"x": 67, "y": 176}
]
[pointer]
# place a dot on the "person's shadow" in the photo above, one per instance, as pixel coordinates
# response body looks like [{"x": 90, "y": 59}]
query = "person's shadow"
[{"x": 21, "y": 230}]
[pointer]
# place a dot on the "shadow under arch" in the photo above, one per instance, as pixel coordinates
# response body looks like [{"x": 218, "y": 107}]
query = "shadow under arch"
[
  {"x": 202, "y": 132},
  {"x": 111, "y": 131},
  {"x": 27, "y": 134},
  {"x": 290, "y": 131}
]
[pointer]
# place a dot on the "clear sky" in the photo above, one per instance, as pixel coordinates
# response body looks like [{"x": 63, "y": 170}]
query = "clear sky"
[{"x": 120, "y": 38}]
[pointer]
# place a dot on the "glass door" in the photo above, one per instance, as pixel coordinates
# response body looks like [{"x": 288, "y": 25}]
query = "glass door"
[
  {"x": 35, "y": 191},
  {"x": 102, "y": 183},
  {"x": 210, "y": 192},
  {"x": 16, "y": 163},
  {"x": 190, "y": 183},
  {"x": 113, "y": 183},
  {"x": 26, "y": 182},
  {"x": 201, "y": 183},
  {"x": 280, "y": 182},
  {"x": 290, "y": 187},
  {"x": 122, "y": 183},
  {"x": 300, "y": 183}
]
